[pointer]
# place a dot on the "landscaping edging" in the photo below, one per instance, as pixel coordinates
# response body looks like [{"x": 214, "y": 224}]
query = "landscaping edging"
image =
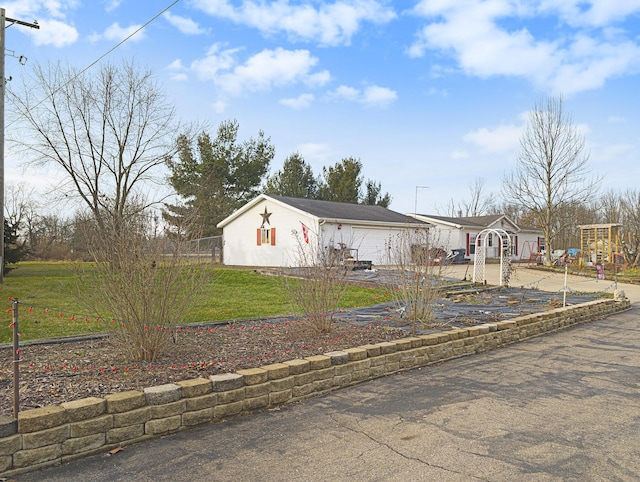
[{"x": 60, "y": 433}]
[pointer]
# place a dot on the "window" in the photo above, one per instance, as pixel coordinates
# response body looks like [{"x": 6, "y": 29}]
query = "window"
[
  {"x": 471, "y": 243},
  {"x": 266, "y": 237}
]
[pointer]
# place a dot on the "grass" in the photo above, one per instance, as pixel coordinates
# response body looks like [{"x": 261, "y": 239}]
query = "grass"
[{"x": 49, "y": 305}]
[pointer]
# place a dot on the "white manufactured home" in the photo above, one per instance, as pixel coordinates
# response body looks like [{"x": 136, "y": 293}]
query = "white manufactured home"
[
  {"x": 461, "y": 232},
  {"x": 270, "y": 230}
]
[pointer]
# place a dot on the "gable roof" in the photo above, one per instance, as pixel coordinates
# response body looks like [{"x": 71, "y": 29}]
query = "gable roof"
[
  {"x": 468, "y": 221},
  {"x": 332, "y": 211},
  {"x": 473, "y": 222}
]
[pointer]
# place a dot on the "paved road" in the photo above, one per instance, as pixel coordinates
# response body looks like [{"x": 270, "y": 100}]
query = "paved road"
[{"x": 560, "y": 407}]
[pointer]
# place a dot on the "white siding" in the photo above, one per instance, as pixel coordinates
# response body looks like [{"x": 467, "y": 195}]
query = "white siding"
[{"x": 240, "y": 236}]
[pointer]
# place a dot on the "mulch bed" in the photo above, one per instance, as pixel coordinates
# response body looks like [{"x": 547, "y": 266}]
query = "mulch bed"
[{"x": 54, "y": 373}]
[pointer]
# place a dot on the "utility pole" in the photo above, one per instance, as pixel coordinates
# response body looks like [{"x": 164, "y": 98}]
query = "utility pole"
[{"x": 3, "y": 85}]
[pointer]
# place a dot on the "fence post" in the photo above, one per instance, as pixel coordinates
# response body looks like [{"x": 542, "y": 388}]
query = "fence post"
[{"x": 16, "y": 362}]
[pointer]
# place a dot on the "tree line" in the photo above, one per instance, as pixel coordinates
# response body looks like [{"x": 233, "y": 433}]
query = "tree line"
[{"x": 113, "y": 133}]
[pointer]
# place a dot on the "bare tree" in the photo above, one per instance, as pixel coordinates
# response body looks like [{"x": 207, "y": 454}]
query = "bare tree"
[
  {"x": 151, "y": 290},
  {"x": 478, "y": 204},
  {"x": 630, "y": 219},
  {"x": 322, "y": 272},
  {"x": 609, "y": 207},
  {"x": 417, "y": 266},
  {"x": 108, "y": 132},
  {"x": 20, "y": 206},
  {"x": 552, "y": 168}
]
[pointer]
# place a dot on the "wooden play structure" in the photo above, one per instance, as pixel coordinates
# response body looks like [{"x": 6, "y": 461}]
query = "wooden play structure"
[{"x": 598, "y": 243}]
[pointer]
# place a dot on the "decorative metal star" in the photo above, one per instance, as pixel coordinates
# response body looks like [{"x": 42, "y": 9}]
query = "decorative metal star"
[{"x": 265, "y": 217}]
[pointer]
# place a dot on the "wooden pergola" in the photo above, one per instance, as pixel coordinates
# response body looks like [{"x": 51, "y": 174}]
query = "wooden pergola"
[{"x": 598, "y": 242}]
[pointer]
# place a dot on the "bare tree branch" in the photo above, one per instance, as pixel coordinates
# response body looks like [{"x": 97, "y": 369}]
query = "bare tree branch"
[
  {"x": 552, "y": 168},
  {"x": 109, "y": 132}
]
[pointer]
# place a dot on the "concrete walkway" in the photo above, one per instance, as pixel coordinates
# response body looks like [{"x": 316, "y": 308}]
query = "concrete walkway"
[
  {"x": 546, "y": 281},
  {"x": 559, "y": 407}
]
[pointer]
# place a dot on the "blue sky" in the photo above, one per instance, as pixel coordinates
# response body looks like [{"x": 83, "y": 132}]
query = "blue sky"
[{"x": 425, "y": 93}]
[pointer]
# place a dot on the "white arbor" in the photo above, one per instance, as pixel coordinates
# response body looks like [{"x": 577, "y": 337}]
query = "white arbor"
[{"x": 486, "y": 240}]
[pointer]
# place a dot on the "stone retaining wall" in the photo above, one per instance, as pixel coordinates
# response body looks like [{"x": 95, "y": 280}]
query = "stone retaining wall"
[{"x": 56, "y": 434}]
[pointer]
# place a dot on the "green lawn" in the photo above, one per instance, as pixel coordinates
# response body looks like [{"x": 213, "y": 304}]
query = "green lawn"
[{"x": 49, "y": 305}]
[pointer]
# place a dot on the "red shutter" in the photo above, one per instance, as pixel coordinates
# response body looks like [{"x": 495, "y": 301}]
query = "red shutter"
[
  {"x": 468, "y": 244},
  {"x": 259, "y": 237},
  {"x": 273, "y": 236},
  {"x": 516, "y": 245}
]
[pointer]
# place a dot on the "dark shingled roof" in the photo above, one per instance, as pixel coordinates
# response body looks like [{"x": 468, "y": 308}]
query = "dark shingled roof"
[
  {"x": 346, "y": 211},
  {"x": 479, "y": 221}
]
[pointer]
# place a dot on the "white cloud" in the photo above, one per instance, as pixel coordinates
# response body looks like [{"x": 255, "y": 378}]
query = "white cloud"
[
  {"x": 117, "y": 33},
  {"x": 329, "y": 23},
  {"x": 112, "y": 5},
  {"x": 592, "y": 13},
  {"x": 378, "y": 96},
  {"x": 298, "y": 103},
  {"x": 316, "y": 155},
  {"x": 318, "y": 79},
  {"x": 179, "y": 77},
  {"x": 54, "y": 33},
  {"x": 372, "y": 95},
  {"x": 616, "y": 119},
  {"x": 438, "y": 92},
  {"x": 184, "y": 24},
  {"x": 614, "y": 152},
  {"x": 459, "y": 155},
  {"x": 593, "y": 63},
  {"x": 346, "y": 93},
  {"x": 263, "y": 71},
  {"x": 177, "y": 71},
  {"x": 501, "y": 139},
  {"x": 176, "y": 65},
  {"x": 32, "y": 9},
  {"x": 214, "y": 63},
  {"x": 473, "y": 32},
  {"x": 219, "y": 106}
]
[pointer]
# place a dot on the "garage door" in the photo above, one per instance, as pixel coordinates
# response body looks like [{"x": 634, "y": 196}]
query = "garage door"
[{"x": 372, "y": 243}]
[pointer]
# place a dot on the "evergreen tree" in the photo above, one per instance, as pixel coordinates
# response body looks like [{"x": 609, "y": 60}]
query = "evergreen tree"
[
  {"x": 295, "y": 179},
  {"x": 342, "y": 182},
  {"x": 373, "y": 197},
  {"x": 217, "y": 177},
  {"x": 14, "y": 249}
]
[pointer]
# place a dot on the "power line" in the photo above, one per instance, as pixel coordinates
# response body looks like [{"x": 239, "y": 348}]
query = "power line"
[{"x": 126, "y": 39}]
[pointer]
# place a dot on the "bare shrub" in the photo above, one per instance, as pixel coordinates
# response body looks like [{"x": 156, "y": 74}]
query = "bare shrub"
[
  {"x": 417, "y": 267},
  {"x": 321, "y": 284},
  {"x": 142, "y": 283}
]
